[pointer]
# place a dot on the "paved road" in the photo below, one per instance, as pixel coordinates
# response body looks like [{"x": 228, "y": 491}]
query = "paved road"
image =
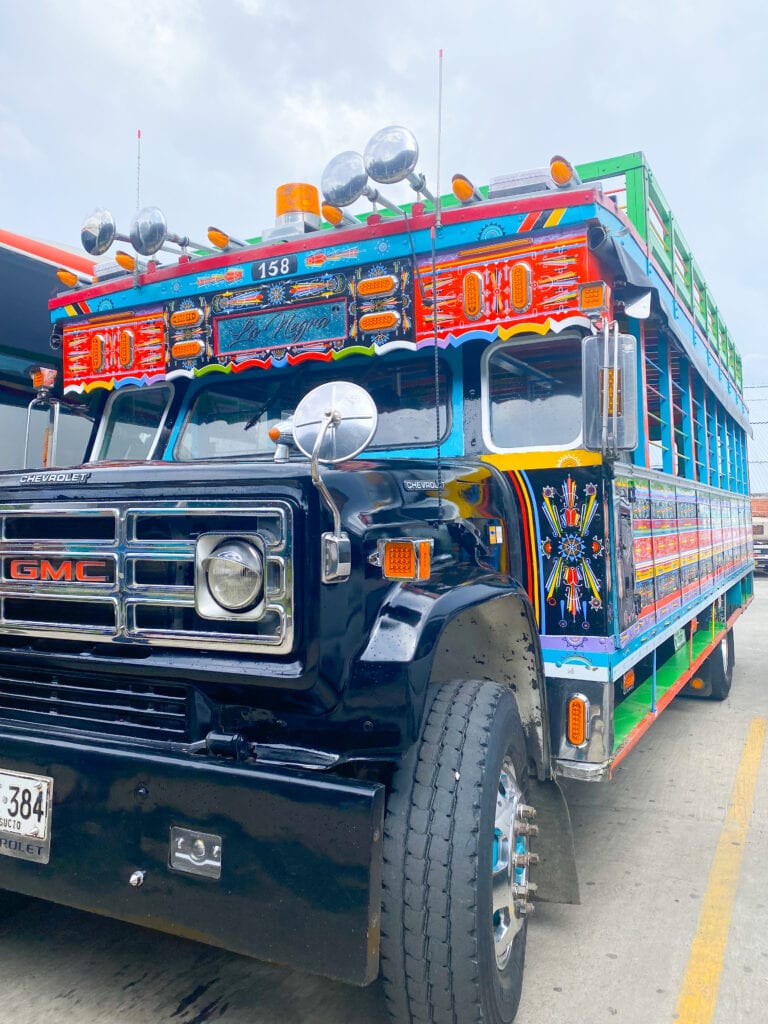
[{"x": 646, "y": 844}]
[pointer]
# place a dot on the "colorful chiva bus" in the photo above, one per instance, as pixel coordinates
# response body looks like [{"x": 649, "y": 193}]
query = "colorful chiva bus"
[{"x": 563, "y": 315}]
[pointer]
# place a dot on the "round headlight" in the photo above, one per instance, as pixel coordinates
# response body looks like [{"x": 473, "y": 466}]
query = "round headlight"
[{"x": 235, "y": 575}]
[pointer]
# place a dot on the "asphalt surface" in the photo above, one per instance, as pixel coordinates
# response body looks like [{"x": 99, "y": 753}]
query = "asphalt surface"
[{"x": 646, "y": 845}]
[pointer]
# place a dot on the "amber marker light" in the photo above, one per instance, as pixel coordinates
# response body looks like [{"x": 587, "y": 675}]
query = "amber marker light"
[
  {"x": 464, "y": 190},
  {"x": 223, "y": 240},
  {"x": 383, "y": 285},
  {"x": 186, "y": 349},
  {"x": 562, "y": 172},
  {"x": 577, "y": 719},
  {"x": 333, "y": 214},
  {"x": 218, "y": 238},
  {"x": 67, "y": 277},
  {"x": 339, "y": 218},
  {"x": 405, "y": 559},
  {"x": 379, "y": 321},
  {"x": 628, "y": 681},
  {"x": 43, "y": 377},
  {"x": 186, "y": 317},
  {"x": 593, "y": 297},
  {"x": 125, "y": 260}
]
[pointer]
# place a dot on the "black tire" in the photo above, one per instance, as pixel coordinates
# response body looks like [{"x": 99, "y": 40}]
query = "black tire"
[
  {"x": 714, "y": 678},
  {"x": 438, "y": 950},
  {"x": 720, "y": 667}
]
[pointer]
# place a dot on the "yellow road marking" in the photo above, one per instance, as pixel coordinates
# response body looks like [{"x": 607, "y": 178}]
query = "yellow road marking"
[{"x": 698, "y": 995}]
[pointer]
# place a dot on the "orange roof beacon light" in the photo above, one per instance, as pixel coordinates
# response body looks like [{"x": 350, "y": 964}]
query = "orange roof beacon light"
[
  {"x": 297, "y": 202},
  {"x": 464, "y": 190}
]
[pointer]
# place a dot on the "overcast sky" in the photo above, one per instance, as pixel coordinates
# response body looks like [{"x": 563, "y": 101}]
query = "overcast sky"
[{"x": 234, "y": 97}]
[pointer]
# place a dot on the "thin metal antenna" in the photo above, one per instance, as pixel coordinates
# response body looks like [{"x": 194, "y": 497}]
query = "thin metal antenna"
[
  {"x": 438, "y": 205},
  {"x": 433, "y": 239},
  {"x": 138, "y": 170}
]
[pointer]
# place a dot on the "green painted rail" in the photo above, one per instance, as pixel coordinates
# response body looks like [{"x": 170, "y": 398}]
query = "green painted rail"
[{"x": 635, "y": 708}]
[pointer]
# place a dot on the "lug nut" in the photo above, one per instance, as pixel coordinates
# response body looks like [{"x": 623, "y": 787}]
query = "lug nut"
[
  {"x": 525, "y": 860},
  {"x": 524, "y": 829},
  {"x": 136, "y": 879},
  {"x": 524, "y": 909},
  {"x": 525, "y": 811}
]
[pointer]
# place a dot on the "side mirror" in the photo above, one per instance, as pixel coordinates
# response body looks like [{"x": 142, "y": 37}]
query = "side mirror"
[
  {"x": 334, "y": 422},
  {"x": 609, "y": 389}
]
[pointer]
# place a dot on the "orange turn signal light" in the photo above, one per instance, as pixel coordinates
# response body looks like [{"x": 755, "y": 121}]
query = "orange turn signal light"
[
  {"x": 577, "y": 720},
  {"x": 405, "y": 559}
]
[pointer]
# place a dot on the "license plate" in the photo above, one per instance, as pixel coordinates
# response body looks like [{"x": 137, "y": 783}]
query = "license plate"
[{"x": 25, "y": 815}]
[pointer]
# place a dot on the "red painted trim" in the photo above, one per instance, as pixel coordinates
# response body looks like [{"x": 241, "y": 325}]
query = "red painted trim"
[
  {"x": 666, "y": 699},
  {"x": 46, "y": 253}
]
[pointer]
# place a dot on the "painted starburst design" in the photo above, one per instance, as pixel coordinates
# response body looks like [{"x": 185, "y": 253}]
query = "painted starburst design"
[{"x": 571, "y": 583}]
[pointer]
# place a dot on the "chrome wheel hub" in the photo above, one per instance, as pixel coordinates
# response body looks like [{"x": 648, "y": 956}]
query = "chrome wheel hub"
[{"x": 512, "y": 860}]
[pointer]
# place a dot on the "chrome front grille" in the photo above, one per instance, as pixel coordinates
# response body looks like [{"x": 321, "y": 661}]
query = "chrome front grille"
[{"x": 125, "y": 572}]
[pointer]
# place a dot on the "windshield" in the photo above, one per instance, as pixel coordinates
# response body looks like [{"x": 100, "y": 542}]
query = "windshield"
[
  {"x": 534, "y": 394},
  {"x": 233, "y": 417},
  {"x": 132, "y": 423}
]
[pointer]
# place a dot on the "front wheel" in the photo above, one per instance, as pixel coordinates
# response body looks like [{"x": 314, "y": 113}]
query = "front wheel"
[{"x": 456, "y": 863}]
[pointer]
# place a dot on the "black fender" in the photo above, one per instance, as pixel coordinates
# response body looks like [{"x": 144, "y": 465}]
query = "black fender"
[{"x": 481, "y": 628}]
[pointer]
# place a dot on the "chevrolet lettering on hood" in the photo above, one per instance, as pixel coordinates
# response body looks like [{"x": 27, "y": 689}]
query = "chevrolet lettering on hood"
[{"x": 68, "y": 477}]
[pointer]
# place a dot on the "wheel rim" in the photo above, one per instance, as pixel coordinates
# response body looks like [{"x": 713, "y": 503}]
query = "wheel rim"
[
  {"x": 724, "y": 654},
  {"x": 510, "y": 863}
]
